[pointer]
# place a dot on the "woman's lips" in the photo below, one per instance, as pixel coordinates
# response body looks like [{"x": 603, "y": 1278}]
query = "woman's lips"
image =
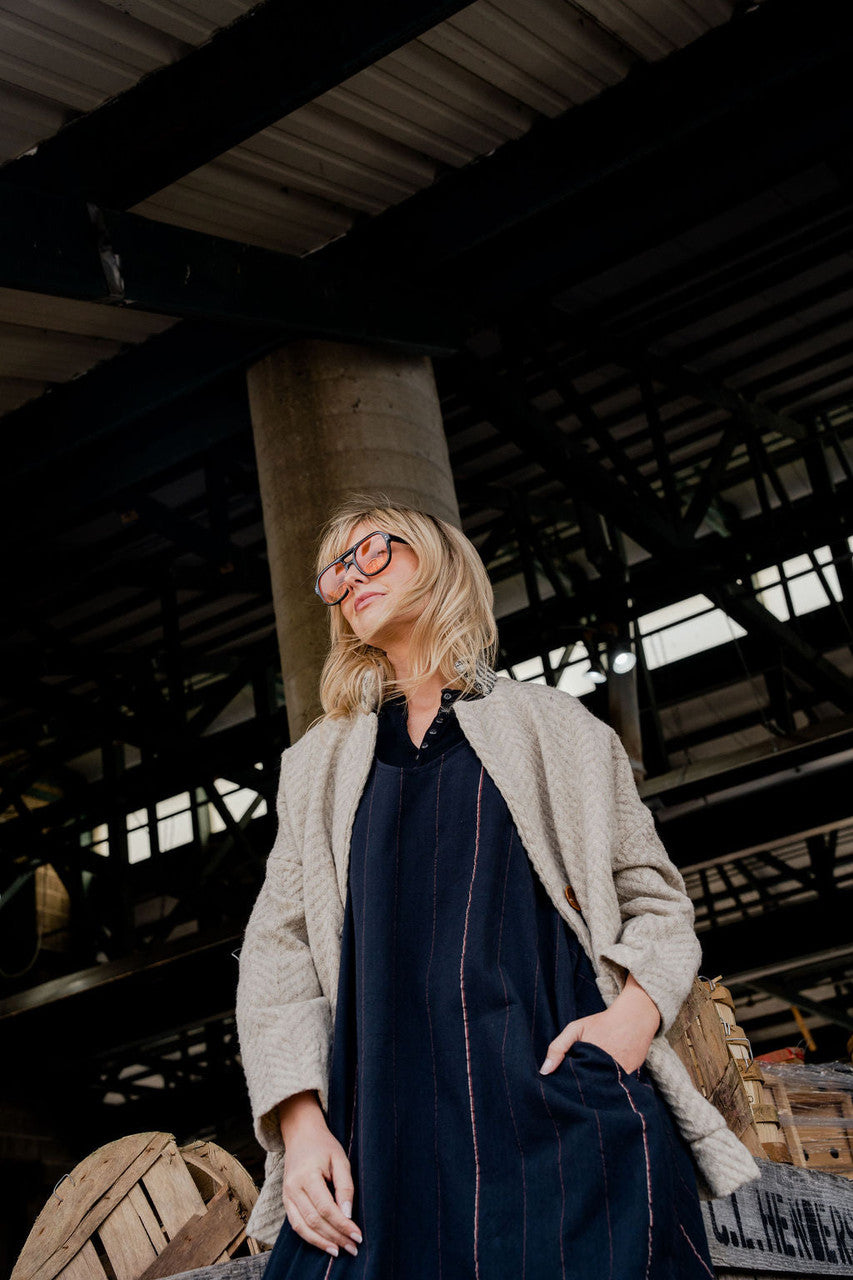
[{"x": 365, "y": 599}]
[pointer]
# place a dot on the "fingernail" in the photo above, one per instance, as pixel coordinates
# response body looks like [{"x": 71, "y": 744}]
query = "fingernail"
[
  {"x": 356, "y": 1236},
  {"x": 346, "y": 1209},
  {"x": 548, "y": 1065},
  {"x": 333, "y": 1250},
  {"x": 350, "y": 1248}
]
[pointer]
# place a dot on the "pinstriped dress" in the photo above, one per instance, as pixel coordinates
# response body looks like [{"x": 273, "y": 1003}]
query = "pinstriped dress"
[{"x": 456, "y": 973}]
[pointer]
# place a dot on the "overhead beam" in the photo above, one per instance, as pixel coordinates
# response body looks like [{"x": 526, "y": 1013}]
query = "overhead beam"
[
  {"x": 502, "y": 399},
  {"x": 646, "y": 520},
  {"x": 831, "y": 1011},
  {"x": 738, "y": 110},
  {"x": 785, "y": 936},
  {"x": 64, "y": 246},
  {"x": 707, "y": 390},
  {"x": 771, "y": 811},
  {"x": 823, "y": 676},
  {"x": 250, "y": 74},
  {"x": 179, "y": 765},
  {"x": 788, "y": 77},
  {"x": 251, "y": 574}
]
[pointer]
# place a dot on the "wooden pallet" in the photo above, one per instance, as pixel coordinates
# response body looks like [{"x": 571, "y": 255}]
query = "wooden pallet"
[{"x": 141, "y": 1209}]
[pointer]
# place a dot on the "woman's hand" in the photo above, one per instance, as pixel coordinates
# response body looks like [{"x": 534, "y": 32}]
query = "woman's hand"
[
  {"x": 313, "y": 1158},
  {"x": 625, "y": 1030}
]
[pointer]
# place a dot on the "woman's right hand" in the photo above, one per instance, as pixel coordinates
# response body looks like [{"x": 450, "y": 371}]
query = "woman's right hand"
[{"x": 314, "y": 1158}]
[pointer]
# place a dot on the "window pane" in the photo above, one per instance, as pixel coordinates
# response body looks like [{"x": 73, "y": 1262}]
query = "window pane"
[
  {"x": 174, "y": 831},
  {"x": 138, "y": 845},
  {"x": 175, "y": 804}
]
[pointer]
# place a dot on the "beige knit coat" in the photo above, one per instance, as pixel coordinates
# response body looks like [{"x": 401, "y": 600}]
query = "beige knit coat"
[{"x": 569, "y": 787}]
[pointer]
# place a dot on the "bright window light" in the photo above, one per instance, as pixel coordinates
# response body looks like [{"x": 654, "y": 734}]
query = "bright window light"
[
  {"x": 174, "y": 831},
  {"x": 680, "y": 630},
  {"x": 531, "y": 670},
  {"x": 237, "y": 801},
  {"x": 97, "y": 840},
  {"x": 806, "y": 589},
  {"x": 175, "y": 804},
  {"x": 138, "y": 844}
]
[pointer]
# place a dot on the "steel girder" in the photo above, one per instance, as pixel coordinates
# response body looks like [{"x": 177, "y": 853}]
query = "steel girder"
[{"x": 275, "y": 58}]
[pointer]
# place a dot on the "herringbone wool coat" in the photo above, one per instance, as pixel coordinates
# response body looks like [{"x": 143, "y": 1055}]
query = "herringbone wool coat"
[{"x": 569, "y": 787}]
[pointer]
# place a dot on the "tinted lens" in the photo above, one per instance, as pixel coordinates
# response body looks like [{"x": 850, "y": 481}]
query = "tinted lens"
[
  {"x": 372, "y": 555},
  {"x": 332, "y": 584}
]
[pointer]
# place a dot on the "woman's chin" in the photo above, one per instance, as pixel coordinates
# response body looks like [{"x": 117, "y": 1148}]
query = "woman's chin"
[{"x": 369, "y": 628}]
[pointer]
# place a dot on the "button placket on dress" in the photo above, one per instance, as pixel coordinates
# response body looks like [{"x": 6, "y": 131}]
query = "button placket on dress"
[{"x": 448, "y": 697}]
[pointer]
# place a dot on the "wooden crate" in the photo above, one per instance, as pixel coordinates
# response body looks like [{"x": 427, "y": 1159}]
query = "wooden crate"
[
  {"x": 140, "y": 1209},
  {"x": 818, "y": 1123}
]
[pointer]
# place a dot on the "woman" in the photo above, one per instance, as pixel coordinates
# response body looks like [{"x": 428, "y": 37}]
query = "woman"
[{"x": 456, "y": 980}]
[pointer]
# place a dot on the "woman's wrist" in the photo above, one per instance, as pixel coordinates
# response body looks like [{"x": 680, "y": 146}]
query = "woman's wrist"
[
  {"x": 642, "y": 1006},
  {"x": 298, "y": 1113}
]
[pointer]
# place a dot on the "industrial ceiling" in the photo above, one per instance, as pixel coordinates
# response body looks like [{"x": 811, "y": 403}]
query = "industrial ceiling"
[{"x": 623, "y": 233}]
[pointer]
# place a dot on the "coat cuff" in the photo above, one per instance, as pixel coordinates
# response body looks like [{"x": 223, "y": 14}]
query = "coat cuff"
[
  {"x": 657, "y": 980},
  {"x": 290, "y": 1053}
]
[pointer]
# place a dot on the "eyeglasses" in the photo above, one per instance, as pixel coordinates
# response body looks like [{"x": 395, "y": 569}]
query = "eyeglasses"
[{"x": 370, "y": 556}]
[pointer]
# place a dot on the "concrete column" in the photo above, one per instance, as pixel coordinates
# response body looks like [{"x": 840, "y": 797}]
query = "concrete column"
[{"x": 329, "y": 419}]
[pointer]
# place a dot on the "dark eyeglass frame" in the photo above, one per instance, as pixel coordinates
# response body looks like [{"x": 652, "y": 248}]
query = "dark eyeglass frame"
[{"x": 348, "y": 557}]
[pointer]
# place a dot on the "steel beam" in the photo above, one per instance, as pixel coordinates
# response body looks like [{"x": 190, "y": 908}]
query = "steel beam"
[
  {"x": 706, "y": 389},
  {"x": 779, "y": 811},
  {"x": 733, "y": 113},
  {"x": 784, "y": 936},
  {"x": 250, "y": 74},
  {"x": 830, "y": 1011},
  {"x": 647, "y": 521},
  {"x": 693, "y": 100},
  {"x": 61, "y": 245}
]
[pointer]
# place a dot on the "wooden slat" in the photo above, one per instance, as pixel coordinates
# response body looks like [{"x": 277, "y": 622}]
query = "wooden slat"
[
  {"x": 712, "y": 1057},
  {"x": 202, "y": 1240},
  {"x": 148, "y": 1218},
  {"x": 730, "y": 1098},
  {"x": 824, "y": 1119},
  {"x": 85, "y": 1265},
  {"x": 80, "y": 1206},
  {"x": 173, "y": 1193},
  {"x": 126, "y": 1241},
  {"x": 779, "y": 1094},
  {"x": 225, "y": 1169},
  {"x": 690, "y": 1009}
]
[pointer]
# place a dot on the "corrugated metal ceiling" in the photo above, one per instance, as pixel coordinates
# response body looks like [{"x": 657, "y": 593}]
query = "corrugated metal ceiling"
[{"x": 458, "y": 92}]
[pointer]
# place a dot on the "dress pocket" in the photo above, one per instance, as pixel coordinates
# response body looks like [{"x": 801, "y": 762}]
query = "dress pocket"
[{"x": 608, "y": 1057}]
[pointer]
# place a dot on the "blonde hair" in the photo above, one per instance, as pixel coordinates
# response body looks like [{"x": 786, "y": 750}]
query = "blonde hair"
[{"x": 455, "y": 635}]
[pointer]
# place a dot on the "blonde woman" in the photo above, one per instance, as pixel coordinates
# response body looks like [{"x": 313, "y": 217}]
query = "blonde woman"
[{"x": 456, "y": 980}]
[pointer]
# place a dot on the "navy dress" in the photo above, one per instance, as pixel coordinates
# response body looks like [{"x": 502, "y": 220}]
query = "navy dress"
[{"x": 456, "y": 973}]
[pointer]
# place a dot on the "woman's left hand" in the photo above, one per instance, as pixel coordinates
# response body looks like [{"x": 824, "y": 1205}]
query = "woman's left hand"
[{"x": 625, "y": 1030}]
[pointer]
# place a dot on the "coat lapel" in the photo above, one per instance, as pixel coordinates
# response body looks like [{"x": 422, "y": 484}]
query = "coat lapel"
[
  {"x": 511, "y": 754},
  {"x": 355, "y": 756}
]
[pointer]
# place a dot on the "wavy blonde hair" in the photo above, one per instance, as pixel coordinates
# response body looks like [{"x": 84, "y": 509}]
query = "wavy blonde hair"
[{"x": 455, "y": 635}]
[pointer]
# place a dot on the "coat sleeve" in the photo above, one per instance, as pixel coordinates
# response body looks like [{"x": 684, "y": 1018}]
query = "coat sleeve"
[
  {"x": 283, "y": 1018},
  {"x": 657, "y": 943}
]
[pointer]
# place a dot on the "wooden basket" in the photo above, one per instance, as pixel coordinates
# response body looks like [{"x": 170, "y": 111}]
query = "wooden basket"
[
  {"x": 717, "y": 1061},
  {"x": 140, "y": 1209}
]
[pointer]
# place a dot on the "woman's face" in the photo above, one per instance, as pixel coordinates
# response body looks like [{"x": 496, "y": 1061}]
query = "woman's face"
[{"x": 370, "y": 604}]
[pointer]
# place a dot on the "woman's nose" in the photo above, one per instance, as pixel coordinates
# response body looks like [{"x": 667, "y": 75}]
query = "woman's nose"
[{"x": 358, "y": 574}]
